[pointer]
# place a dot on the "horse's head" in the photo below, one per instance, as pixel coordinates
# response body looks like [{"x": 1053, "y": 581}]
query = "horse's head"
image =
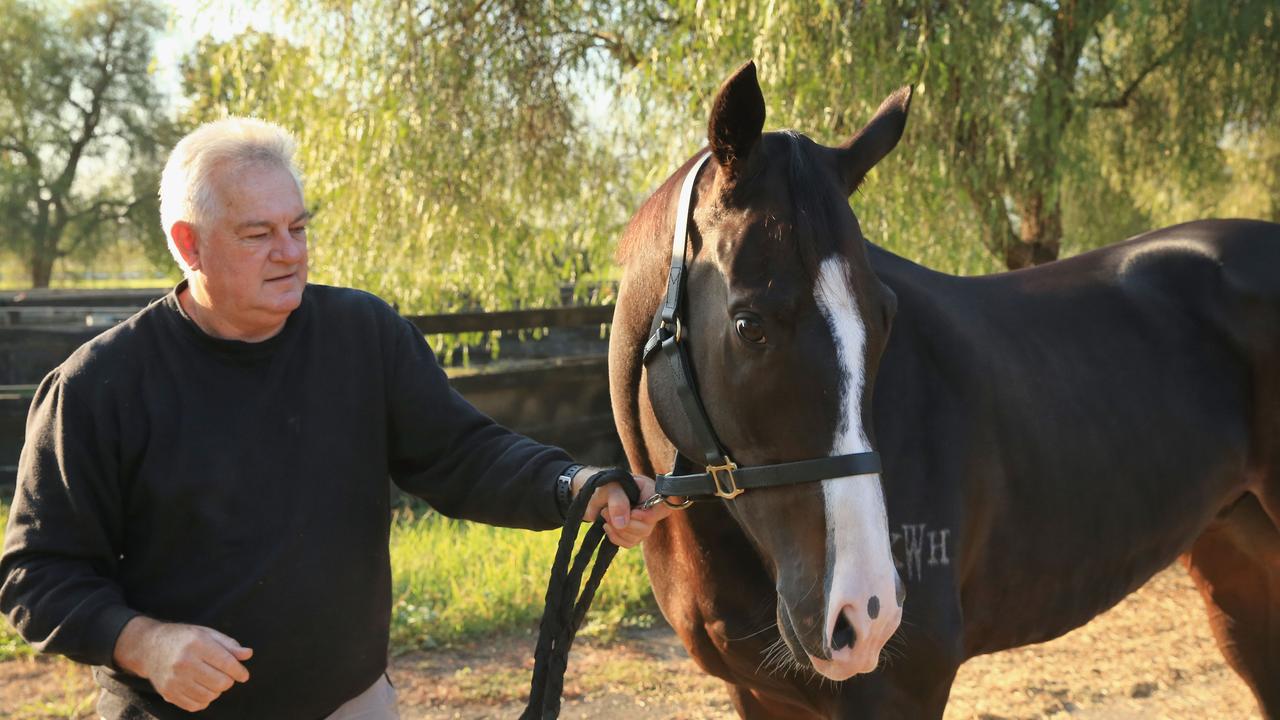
[{"x": 785, "y": 323}]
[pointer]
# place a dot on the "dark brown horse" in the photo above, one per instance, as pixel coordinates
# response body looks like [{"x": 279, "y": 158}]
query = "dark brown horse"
[{"x": 1050, "y": 438}]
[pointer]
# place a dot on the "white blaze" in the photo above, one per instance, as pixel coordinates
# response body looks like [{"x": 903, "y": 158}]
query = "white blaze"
[{"x": 857, "y": 527}]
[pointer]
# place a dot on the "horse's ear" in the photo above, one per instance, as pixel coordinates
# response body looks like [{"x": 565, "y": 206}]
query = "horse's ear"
[
  {"x": 875, "y": 140},
  {"x": 737, "y": 119}
]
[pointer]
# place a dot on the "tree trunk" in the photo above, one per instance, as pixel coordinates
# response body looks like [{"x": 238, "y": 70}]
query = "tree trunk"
[
  {"x": 1039, "y": 235},
  {"x": 44, "y": 251},
  {"x": 41, "y": 271}
]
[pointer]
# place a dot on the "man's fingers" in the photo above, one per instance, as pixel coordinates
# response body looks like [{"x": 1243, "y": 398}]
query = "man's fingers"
[
  {"x": 225, "y": 663},
  {"x": 235, "y": 648},
  {"x": 212, "y": 678},
  {"x": 192, "y": 698},
  {"x": 633, "y": 535},
  {"x": 636, "y": 530},
  {"x": 653, "y": 515},
  {"x": 617, "y": 537},
  {"x": 619, "y": 505}
]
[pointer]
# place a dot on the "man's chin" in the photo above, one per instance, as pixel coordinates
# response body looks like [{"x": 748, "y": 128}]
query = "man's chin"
[{"x": 286, "y": 299}]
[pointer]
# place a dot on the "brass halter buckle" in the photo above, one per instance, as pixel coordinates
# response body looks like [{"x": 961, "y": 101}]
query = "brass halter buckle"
[
  {"x": 727, "y": 468},
  {"x": 679, "y": 332}
]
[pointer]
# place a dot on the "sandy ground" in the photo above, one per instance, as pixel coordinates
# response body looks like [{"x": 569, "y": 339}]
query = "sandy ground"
[{"x": 1151, "y": 657}]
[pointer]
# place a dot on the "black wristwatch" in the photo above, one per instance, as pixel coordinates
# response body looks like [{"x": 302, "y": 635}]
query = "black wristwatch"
[{"x": 564, "y": 488}]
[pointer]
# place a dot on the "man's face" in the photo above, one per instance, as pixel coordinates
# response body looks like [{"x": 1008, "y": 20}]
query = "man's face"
[{"x": 253, "y": 252}]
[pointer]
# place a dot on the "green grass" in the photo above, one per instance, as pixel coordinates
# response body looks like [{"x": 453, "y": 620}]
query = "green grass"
[{"x": 456, "y": 581}]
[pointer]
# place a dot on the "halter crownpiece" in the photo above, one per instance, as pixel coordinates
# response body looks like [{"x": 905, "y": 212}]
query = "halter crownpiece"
[{"x": 721, "y": 477}]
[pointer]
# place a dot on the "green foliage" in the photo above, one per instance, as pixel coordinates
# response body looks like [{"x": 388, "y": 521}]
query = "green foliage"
[
  {"x": 79, "y": 132},
  {"x": 442, "y": 148},
  {"x": 456, "y": 581},
  {"x": 1025, "y": 111},
  {"x": 480, "y": 154}
]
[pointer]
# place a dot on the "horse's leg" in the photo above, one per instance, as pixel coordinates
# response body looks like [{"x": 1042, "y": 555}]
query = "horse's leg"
[
  {"x": 1236, "y": 564},
  {"x": 758, "y": 705}
]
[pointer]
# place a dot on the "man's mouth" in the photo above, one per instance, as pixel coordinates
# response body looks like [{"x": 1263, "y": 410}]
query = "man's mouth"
[{"x": 282, "y": 277}]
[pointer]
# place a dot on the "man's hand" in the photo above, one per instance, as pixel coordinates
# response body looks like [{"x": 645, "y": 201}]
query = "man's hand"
[
  {"x": 624, "y": 525},
  {"x": 189, "y": 665}
]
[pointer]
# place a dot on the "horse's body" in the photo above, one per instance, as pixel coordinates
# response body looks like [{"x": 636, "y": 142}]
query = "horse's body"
[{"x": 1051, "y": 438}]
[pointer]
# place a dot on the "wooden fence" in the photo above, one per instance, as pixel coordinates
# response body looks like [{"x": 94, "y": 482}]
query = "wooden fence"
[{"x": 554, "y": 389}]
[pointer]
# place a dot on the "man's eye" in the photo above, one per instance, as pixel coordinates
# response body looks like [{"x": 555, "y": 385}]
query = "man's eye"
[
  {"x": 259, "y": 236},
  {"x": 298, "y": 230}
]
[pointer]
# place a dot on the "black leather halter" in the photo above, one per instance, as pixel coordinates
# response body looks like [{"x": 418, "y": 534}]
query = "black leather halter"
[{"x": 721, "y": 477}]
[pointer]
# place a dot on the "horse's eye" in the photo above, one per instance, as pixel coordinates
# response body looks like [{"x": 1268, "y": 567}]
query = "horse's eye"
[{"x": 749, "y": 329}]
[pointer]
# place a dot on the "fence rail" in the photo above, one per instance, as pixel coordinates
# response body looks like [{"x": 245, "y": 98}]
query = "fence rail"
[
  {"x": 47, "y": 297},
  {"x": 513, "y": 319},
  {"x": 562, "y": 399},
  {"x": 30, "y": 312}
]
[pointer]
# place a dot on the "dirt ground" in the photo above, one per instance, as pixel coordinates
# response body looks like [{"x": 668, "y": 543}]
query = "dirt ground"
[{"x": 1151, "y": 657}]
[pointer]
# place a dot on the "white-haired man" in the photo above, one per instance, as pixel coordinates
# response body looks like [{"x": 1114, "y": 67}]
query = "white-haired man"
[{"x": 201, "y": 508}]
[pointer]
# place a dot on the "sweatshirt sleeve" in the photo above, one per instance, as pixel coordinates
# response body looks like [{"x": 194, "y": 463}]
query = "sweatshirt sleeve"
[
  {"x": 456, "y": 458},
  {"x": 62, "y": 544}
]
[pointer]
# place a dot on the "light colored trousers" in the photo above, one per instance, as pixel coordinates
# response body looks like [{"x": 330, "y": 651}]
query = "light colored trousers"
[{"x": 376, "y": 703}]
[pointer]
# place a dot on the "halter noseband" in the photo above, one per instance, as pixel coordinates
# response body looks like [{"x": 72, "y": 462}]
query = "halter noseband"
[{"x": 721, "y": 477}]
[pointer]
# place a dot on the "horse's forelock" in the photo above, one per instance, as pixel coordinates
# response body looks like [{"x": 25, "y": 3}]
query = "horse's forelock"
[{"x": 817, "y": 203}]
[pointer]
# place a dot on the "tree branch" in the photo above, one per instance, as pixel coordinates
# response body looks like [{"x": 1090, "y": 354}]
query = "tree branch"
[
  {"x": 122, "y": 207},
  {"x": 612, "y": 42},
  {"x": 658, "y": 19},
  {"x": 1126, "y": 94},
  {"x": 26, "y": 153},
  {"x": 1122, "y": 100},
  {"x": 1041, "y": 5},
  {"x": 89, "y": 122}
]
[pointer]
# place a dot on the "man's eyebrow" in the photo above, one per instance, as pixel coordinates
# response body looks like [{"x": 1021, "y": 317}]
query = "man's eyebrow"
[{"x": 304, "y": 215}]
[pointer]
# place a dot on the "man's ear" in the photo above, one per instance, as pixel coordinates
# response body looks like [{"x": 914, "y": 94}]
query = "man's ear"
[{"x": 184, "y": 238}]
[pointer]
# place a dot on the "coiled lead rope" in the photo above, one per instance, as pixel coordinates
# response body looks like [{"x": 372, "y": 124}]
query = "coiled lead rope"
[{"x": 566, "y": 609}]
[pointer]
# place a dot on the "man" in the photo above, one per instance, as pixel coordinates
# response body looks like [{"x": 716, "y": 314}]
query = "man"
[{"x": 202, "y": 509}]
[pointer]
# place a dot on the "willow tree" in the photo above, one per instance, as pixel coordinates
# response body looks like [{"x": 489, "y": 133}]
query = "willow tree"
[
  {"x": 446, "y": 147},
  {"x": 1019, "y": 105},
  {"x": 77, "y": 101},
  {"x": 485, "y": 153}
]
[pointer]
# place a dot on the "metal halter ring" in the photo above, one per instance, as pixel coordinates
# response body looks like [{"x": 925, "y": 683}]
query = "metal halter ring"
[
  {"x": 679, "y": 329},
  {"x": 653, "y": 502}
]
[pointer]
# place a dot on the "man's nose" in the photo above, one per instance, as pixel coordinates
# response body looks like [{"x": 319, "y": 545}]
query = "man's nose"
[{"x": 288, "y": 248}]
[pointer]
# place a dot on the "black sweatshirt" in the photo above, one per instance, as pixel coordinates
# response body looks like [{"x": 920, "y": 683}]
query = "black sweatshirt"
[{"x": 242, "y": 486}]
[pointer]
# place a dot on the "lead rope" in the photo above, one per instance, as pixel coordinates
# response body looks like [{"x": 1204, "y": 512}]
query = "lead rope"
[{"x": 566, "y": 609}]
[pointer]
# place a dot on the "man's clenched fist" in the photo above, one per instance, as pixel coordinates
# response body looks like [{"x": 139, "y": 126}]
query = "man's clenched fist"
[{"x": 189, "y": 665}]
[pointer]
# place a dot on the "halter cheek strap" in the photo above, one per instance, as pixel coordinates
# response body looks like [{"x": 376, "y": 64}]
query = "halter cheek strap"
[{"x": 721, "y": 477}]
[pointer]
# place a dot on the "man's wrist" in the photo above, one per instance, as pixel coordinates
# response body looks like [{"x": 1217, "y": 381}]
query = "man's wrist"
[
  {"x": 130, "y": 650},
  {"x": 565, "y": 489}
]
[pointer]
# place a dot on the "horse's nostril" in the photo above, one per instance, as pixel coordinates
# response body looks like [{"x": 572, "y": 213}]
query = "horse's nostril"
[{"x": 843, "y": 636}]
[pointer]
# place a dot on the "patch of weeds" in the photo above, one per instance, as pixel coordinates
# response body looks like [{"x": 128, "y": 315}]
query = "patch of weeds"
[{"x": 492, "y": 685}]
